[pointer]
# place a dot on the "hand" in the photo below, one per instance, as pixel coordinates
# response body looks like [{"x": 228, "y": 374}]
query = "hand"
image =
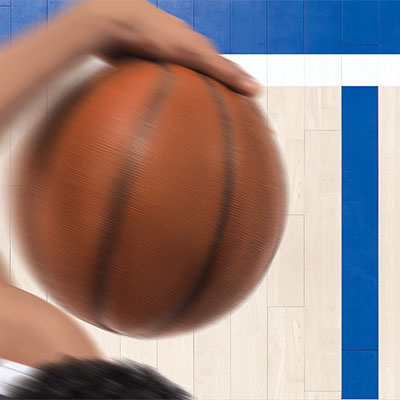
[{"x": 137, "y": 27}]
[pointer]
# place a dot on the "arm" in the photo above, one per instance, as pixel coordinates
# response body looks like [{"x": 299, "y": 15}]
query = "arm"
[
  {"x": 105, "y": 28},
  {"x": 35, "y": 332}
]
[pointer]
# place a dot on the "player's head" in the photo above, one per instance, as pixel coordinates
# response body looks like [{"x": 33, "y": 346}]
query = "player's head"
[{"x": 97, "y": 379}]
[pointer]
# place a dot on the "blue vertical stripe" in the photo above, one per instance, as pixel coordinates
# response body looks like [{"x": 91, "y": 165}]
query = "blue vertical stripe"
[
  {"x": 359, "y": 238},
  {"x": 360, "y": 377}
]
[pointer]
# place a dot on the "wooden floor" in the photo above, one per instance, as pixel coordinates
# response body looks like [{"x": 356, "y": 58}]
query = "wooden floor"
[
  {"x": 284, "y": 342},
  {"x": 389, "y": 240}
]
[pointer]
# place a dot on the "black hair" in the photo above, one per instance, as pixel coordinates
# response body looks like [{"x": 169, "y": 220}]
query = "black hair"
[{"x": 97, "y": 379}]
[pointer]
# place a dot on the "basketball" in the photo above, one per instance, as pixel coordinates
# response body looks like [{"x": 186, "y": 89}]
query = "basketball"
[{"x": 153, "y": 201}]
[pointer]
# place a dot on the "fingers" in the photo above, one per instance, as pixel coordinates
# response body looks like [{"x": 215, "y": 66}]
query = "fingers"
[
  {"x": 232, "y": 75},
  {"x": 201, "y": 55},
  {"x": 141, "y": 29}
]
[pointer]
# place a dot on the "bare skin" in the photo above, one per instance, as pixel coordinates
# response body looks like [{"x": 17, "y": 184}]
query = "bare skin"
[
  {"x": 35, "y": 332},
  {"x": 32, "y": 330}
]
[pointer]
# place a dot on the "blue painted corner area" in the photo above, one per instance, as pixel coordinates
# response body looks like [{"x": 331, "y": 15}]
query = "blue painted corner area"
[
  {"x": 359, "y": 234},
  {"x": 265, "y": 26}
]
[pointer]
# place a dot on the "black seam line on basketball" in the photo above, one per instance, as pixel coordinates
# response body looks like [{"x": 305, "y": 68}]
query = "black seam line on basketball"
[
  {"x": 121, "y": 189},
  {"x": 227, "y": 197}
]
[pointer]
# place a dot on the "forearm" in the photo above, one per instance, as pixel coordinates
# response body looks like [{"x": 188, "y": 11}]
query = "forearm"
[
  {"x": 38, "y": 56},
  {"x": 35, "y": 332}
]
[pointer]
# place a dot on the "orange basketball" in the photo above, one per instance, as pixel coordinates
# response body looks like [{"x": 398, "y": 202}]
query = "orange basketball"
[{"x": 153, "y": 201}]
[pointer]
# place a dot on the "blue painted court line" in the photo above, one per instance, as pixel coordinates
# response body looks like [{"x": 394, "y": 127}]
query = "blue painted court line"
[
  {"x": 359, "y": 238},
  {"x": 360, "y": 378}
]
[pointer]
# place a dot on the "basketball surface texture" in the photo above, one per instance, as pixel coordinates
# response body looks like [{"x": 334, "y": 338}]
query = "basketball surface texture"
[{"x": 153, "y": 201}]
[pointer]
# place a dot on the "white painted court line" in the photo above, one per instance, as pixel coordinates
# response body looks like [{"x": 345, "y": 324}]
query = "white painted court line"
[
  {"x": 389, "y": 70},
  {"x": 360, "y": 70},
  {"x": 321, "y": 69},
  {"x": 287, "y": 69},
  {"x": 291, "y": 69},
  {"x": 255, "y": 64}
]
